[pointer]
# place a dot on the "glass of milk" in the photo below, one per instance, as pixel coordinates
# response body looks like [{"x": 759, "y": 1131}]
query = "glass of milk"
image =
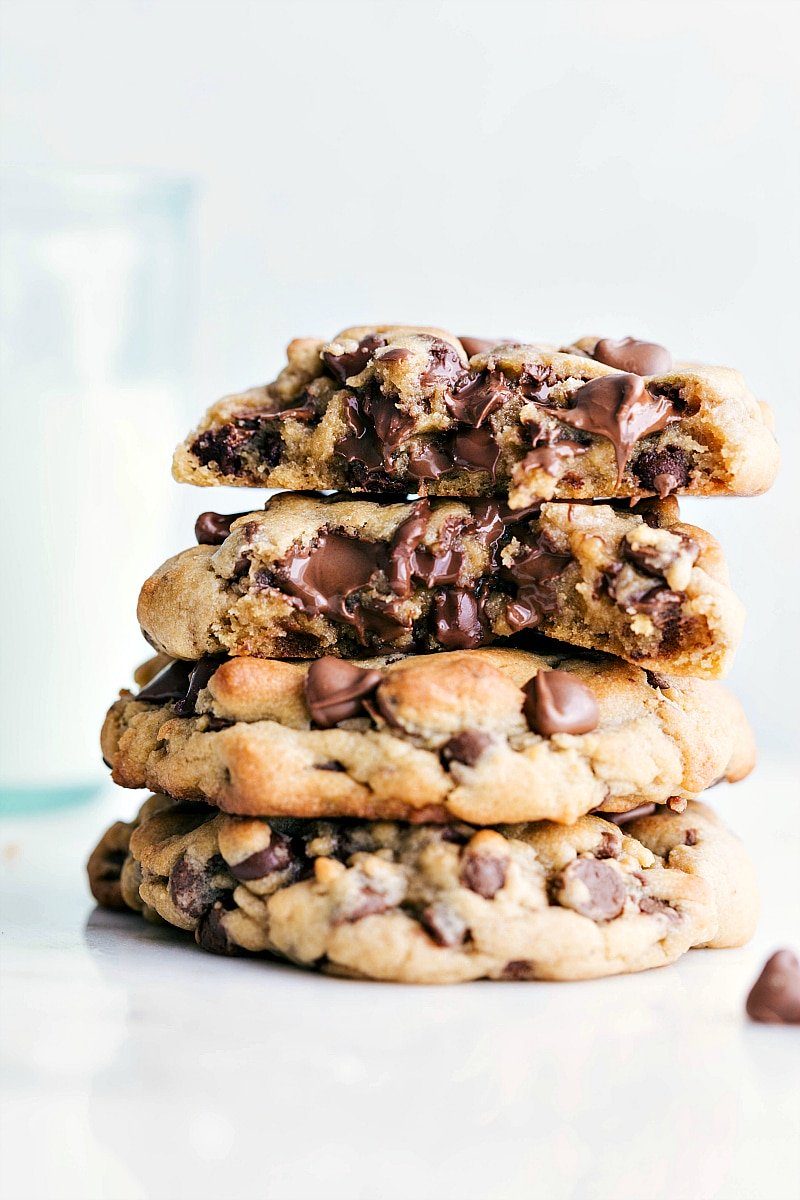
[{"x": 94, "y": 303}]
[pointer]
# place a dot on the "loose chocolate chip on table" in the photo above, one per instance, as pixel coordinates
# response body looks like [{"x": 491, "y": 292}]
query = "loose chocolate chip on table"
[
  {"x": 775, "y": 995},
  {"x": 211, "y": 528},
  {"x": 629, "y": 354},
  {"x": 593, "y": 889},
  {"x": 466, "y": 747},
  {"x": 557, "y": 702},
  {"x": 620, "y": 408},
  {"x": 335, "y": 689}
]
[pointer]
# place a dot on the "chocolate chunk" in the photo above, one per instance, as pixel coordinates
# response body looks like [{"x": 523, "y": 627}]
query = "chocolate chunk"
[
  {"x": 324, "y": 574},
  {"x": 211, "y": 934},
  {"x": 426, "y": 462},
  {"x": 657, "y": 681},
  {"x": 344, "y": 366},
  {"x": 445, "y": 367},
  {"x": 652, "y": 904},
  {"x": 277, "y": 856},
  {"x": 466, "y": 747},
  {"x": 623, "y": 818},
  {"x": 476, "y": 449},
  {"x": 171, "y": 683},
  {"x": 360, "y": 444},
  {"x": 775, "y": 996},
  {"x": 473, "y": 345},
  {"x": 335, "y": 689},
  {"x": 395, "y": 355},
  {"x": 226, "y": 446},
  {"x": 458, "y": 619},
  {"x": 629, "y": 354},
  {"x": 534, "y": 571},
  {"x": 610, "y": 845},
  {"x": 658, "y": 559},
  {"x": 409, "y": 534},
  {"x": 392, "y": 425},
  {"x": 473, "y": 402},
  {"x": 483, "y": 873},
  {"x": 519, "y": 969},
  {"x": 549, "y": 458},
  {"x": 557, "y": 702},
  {"x": 194, "y": 886},
  {"x": 211, "y": 528},
  {"x": 306, "y": 410},
  {"x": 593, "y": 889},
  {"x": 368, "y": 904},
  {"x": 662, "y": 471},
  {"x": 444, "y": 925},
  {"x": 620, "y": 408},
  {"x": 198, "y": 679}
]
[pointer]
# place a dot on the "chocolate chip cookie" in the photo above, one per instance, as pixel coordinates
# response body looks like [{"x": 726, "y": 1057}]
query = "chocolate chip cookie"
[
  {"x": 398, "y": 410},
  {"x": 313, "y": 576},
  {"x": 484, "y": 735},
  {"x": 424, "y": 903}
]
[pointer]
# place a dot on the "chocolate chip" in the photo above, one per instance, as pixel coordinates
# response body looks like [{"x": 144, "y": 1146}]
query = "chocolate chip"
[
  {"x": 225, "y": 447},
  {"x": 277, "y": 856},
  {"x": 335, "y": 690},
  {"x": 658, "y": 559},
  {"x": 332, "y": 765},
  {"x": 662, "y": 471},
  {"x": 211, "y": 528},
  {"x": 557, "y": 702},
  {"x": 593, "y": 889},
  {"x": 198, "y": 679},
  {"x": 649, "y": 905},
  {"x": 171, "y": 683},
  {"x": 426, "y": 462},
  {"x": 211, "y": 934},
  {"x": 657, "y": 681},
  {"x": 322, "y": 575},
  {"x": 409, "y": 534},
  {"x": 483, "y": 873},
  {"x": 610, "y": 845},
  {"x": 344, "y": 366},
  {"x": 466, "y": 747},
  {"x": 633, "y": 814},
  {"x": 444, "y": 925},
  {"x": 476, "y": 449},
  {"x": 473, "y": 345},
  {"x": 360, "y": 445},
  {"x": 535, "y": 571},
  {"x": 775, "y": 996},
  {"x": 445, "y": 368},
  {"x": 194, "y": 886},
  {"x": 620, "y": 408},
  {"x": 395, "y": 355},
  {"x": 369, "y": 903},
  {"x": 550, "y": 458},
  {"x": 458, "y": 616},
  {"x": 690, "y": 837},
  {"x": 392, "y": 425},
  {"x": 519, "y": 969},
  {"x": 629, "y": 354},
  {"x": 473, "y": 402}
]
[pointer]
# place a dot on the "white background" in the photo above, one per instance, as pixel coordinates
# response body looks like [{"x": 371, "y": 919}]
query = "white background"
[
  {"x": 533, "y": 169},
  {"x": 536, "y": 169}
]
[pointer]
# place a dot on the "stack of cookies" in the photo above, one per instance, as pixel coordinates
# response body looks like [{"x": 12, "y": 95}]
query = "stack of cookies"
[{"x": 443, "y": 709}]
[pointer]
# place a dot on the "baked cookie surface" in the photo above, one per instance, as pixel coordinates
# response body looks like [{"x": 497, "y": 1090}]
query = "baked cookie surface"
[
  {"x": 418, "y": 904},
  {"x": 401, "y": 409},
  {"x": 315, "y": 575},
  {"x": 483, "y": 735}
]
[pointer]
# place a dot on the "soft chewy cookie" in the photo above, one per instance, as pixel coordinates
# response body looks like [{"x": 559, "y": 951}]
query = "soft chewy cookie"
[
  {"x": 419, "y": 904},
  {"x": 394, "y": 409},
  {"x": 484, "y": 735},
  {"x": 312, "y": 576}
]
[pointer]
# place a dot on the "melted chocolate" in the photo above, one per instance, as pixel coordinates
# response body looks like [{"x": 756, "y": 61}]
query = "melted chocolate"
[
  {"x": 335, "y": 690},
  {"x": 557, "y": 702},
  {"x": 629, "y": 354}
]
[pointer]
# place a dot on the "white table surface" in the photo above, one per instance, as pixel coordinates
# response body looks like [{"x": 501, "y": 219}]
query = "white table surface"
[{"x": 135, "y": 1066}]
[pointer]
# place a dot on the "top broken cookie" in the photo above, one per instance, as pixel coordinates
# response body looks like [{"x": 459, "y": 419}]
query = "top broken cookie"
[{"x": 397, "y": 410}]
